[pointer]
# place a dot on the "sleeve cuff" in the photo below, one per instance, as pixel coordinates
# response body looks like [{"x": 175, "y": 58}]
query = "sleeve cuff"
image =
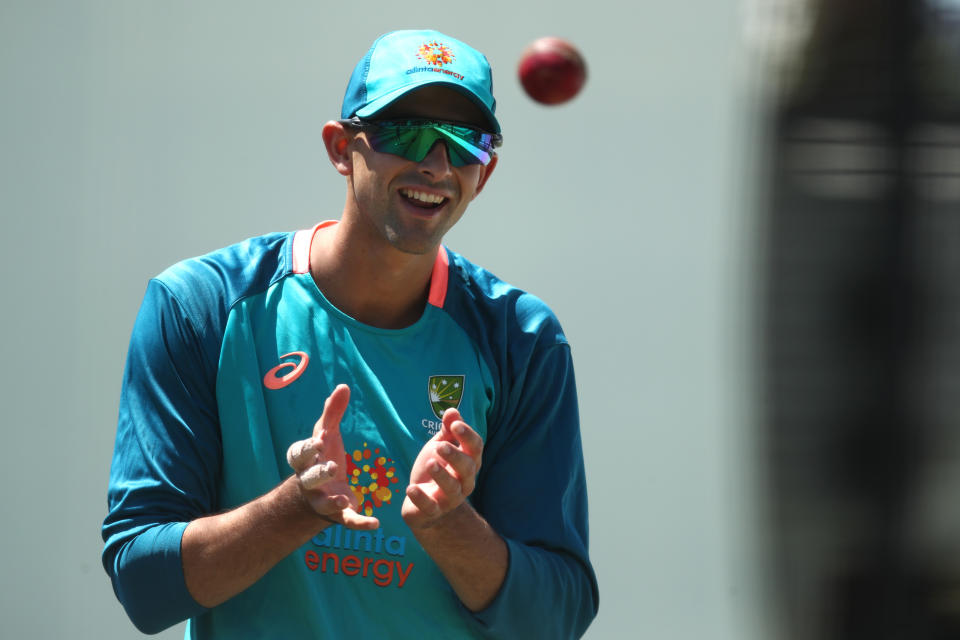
[{"x": 150, "y": 582}]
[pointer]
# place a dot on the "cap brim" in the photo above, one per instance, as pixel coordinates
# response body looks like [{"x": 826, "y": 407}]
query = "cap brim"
[{"x": 375, "y": 106}]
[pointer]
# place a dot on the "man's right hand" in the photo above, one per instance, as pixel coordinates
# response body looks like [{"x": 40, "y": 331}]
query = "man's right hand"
[
  {"x": 224, "y": 553},
  {"x": 320, "y": 463}
]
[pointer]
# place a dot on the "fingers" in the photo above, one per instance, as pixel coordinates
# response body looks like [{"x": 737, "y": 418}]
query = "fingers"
[
  {"x": 449, "y": 416},
  {"x": 428, "y": 501},
  {"x": 302, "y": 454},
  {"x": 328, "y": 505},
  {"x": 318, "y": 475},
  {"x": 333, "y": 410},
  {"x": 324, "y": 443},
  {"x": 449, "y": 490},
  {"x": 354, "y": 520},
  {"x": 305, "y": 453},
  {"x": 445, "y": 472},
  {"x": 337, "y": 509},
  {"x": 419, "y": 508},
  {"x": 455, "y": 463},
  {"x": 315, "y": 461},
  {"x": 457, "y": 431}
]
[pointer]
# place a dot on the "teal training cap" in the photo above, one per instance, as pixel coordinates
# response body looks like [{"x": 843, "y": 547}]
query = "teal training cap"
[{"x": 401, "y": 61}]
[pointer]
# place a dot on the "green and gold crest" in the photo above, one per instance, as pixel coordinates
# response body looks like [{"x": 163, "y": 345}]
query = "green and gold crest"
[{"x": 444, "y": 392}]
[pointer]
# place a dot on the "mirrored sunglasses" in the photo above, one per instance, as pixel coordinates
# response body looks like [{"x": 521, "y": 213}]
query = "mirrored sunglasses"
[{"x": 413, "y": 139}]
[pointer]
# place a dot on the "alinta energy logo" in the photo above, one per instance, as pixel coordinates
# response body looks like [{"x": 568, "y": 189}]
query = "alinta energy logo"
[
  {"x": 377, "y": 555},
  {"x": 372, "y": 477},
  {"x": 436, "y": 55}
]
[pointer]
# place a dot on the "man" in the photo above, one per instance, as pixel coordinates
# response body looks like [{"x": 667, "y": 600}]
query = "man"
[{"x": 441, "y": 493}]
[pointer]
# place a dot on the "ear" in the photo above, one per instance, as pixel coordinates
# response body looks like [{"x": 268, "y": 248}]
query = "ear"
[
  {"x": 336, "y": 138},
  {"x": 486, "y": 171}
]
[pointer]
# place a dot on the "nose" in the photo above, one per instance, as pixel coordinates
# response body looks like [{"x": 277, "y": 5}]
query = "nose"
[{"x": 437, "y": 161}]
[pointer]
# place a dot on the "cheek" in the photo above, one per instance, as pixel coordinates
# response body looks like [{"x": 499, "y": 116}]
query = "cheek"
[
  {"x": 366, "y": 178},
  {"x": 470, "y": 177},
  {"x": 377, "y": 170},
  {"x": 365, "y": 166}
]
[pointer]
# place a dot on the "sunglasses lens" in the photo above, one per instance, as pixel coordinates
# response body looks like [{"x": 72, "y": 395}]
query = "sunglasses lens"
[
  {"x": 413, "y": 141},
  {"x": 466, "y": 145}
]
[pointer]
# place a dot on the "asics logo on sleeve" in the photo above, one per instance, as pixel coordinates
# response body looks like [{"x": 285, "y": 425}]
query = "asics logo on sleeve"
[{"x": 273, "y": 379}]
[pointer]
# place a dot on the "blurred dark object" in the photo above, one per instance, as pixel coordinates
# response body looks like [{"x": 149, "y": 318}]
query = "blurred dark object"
[{"x": 862, "y": 318}]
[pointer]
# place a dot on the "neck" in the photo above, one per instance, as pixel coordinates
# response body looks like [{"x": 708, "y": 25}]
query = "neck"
[{"x": 373, "y": 283}]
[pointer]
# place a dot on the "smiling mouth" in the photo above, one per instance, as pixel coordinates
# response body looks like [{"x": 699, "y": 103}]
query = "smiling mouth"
[{"x": 421, "y": 199}]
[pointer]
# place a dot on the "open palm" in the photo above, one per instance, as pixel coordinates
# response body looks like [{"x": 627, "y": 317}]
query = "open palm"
[{"x": 321, "y": 464}]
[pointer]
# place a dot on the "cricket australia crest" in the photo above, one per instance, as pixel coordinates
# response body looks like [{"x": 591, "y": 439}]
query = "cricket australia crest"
[{"x": 444, "y": 392}]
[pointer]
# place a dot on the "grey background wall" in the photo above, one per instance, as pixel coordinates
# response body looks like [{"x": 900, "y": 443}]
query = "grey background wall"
[{"x": 134, "y": 134}]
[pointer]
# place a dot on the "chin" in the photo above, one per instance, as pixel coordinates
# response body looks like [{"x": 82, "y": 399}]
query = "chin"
[
  {"x": 414, "y": 245},
  {"x": 415, "y": 241}
]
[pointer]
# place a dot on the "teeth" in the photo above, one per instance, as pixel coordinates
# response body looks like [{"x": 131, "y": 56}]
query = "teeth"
[{"x": 422, "y": 197}]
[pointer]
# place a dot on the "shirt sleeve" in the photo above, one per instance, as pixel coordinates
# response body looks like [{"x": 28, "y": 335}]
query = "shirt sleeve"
[
  {"x": 533, "y": 492},
  {"x": 166, "y": 460}
]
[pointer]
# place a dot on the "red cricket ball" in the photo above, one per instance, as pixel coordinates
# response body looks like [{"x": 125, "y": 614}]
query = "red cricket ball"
[{"x": 551, "y": 70}]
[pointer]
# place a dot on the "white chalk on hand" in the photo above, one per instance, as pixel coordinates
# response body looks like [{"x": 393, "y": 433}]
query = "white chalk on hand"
[
  {"x": 301, "y": 453},
  {"x": 318, "y": 474}
]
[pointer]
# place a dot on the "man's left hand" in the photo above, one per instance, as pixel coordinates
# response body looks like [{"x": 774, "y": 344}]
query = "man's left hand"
[{"x": 444, "y": 472}]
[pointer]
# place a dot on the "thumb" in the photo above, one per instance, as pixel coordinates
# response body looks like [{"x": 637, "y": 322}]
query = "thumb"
[
  {"x": 450, "y": 416},
  {"x": 333, "y": 410}
]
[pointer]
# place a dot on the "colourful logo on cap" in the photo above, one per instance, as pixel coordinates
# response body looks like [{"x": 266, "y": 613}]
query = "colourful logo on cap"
[{"x": 435, "y": 53}]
